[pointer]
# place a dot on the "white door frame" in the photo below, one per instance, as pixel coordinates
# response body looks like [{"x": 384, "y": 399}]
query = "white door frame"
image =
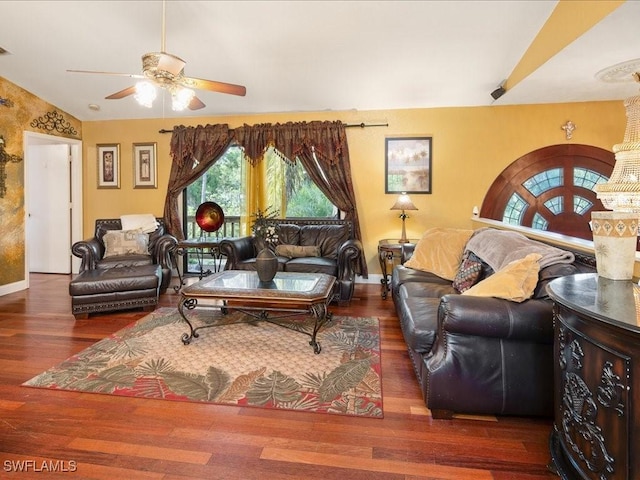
[{"x": 75, "y": 153}]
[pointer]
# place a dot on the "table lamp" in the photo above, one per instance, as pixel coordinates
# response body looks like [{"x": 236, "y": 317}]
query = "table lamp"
[{"x": 403, "y": 203}]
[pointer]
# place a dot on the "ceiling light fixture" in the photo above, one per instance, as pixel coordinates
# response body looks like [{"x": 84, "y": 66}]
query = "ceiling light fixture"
[
  {"x": 145, "y": 94},
  {"x": 615, "y": 233},
  {"x": 181, "y": 98}
]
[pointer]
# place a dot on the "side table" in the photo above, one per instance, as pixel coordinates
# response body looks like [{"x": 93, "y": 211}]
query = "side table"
[
  {"x": 389, "y": 253},
  {"x": 200, "y": 246}
]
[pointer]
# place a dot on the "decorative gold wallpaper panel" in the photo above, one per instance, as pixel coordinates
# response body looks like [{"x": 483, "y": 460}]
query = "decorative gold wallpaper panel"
[{"x": 18, "y": 109}]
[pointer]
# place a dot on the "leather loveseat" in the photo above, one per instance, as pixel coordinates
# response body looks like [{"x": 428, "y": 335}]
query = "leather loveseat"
[
  {"x": 480, "y": 354},
  {"x": 337, "y": 252}
]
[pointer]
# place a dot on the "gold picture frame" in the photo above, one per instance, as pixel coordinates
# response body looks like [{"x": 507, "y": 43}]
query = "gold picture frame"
[
  {"x": 145, "y": 165},
  {"x": 108, "y": 165}
]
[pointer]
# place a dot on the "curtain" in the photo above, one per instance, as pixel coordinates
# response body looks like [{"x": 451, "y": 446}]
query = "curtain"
[
  {"x": 327, "y": 163},
  {"x": 320, "y": 146},
  {"x": 325, "y": 142},
  {"x": 193, "y": 150}
]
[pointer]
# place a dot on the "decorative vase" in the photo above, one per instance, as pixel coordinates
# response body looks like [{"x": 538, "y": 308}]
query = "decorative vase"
[
  {"x": 615, "y": 237},
  {"x": 266, "y": 265}
]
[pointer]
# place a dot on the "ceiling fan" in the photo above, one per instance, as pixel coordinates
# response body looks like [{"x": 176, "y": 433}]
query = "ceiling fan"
[{"x": 164, "y": 70}]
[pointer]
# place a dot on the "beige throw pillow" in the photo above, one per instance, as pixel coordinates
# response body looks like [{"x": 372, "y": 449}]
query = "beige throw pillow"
[
  {"x": 516, "y": 281},
  {"x": 297, "y": 251},
  {"x": 124, "y": 242},
  {"x": 440, "y": 251}
]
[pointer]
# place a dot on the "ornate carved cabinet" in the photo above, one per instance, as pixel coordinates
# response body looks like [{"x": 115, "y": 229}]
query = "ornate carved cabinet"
[{"x": 596, "y": 432}]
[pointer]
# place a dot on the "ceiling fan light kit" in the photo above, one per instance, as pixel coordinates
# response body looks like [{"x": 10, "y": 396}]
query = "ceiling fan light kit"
[
  {"x": 164, "y": 70},
  {"x": 145, "y": 94}
]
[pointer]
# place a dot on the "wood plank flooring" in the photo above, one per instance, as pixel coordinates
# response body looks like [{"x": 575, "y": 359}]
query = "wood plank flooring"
[{"x": 49, "y": 434}]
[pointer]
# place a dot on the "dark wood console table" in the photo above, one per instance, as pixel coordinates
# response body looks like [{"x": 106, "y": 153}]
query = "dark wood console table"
[{"x": 596, "y": 432}]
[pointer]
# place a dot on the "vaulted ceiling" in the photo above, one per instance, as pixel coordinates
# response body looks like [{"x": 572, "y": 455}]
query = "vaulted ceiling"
[{"x": 322, "y": 55}]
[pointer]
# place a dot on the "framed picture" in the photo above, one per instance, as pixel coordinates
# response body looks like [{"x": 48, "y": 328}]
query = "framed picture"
[
  {"x": 408, "y": 165},
  {"x": 144, "y": 165},
  {"x": 109, "y": 166}
]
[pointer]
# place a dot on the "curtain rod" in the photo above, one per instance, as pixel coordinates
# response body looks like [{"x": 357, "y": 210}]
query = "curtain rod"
[{"x": 346, "y": 125}]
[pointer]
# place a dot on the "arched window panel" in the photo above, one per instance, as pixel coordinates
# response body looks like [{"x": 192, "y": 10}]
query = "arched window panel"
[
  {"x": 587, "y": 178},
  {"x": 539, "y": 222},
  {"x": 555, "y": 205},
  {"x": 581, "y": 205},
  {"x": 537, "y": 189},
  {"x": 514, "y": 211},
  {"x": 543, "y": 181}
]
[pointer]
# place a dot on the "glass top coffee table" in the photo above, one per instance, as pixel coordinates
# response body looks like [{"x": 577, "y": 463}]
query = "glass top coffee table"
[{"x": 289, "y": 293}]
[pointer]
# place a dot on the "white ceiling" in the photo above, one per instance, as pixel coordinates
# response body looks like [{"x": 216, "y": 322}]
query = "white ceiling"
[{"x": 308, "y": 55}]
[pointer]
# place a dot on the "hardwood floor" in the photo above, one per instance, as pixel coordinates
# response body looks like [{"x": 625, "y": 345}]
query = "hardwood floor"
[{"x": 105, "y": 437}]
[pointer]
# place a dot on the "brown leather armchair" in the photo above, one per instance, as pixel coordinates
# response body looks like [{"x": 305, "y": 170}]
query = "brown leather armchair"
[{"x": 161, "y": 247}]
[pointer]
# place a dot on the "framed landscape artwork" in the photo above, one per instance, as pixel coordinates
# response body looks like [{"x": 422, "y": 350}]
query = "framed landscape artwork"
[
  {"x": 109, "y": 166},
  {"x": 408, "y": 165},
  {"x": 144, "y": 165}
]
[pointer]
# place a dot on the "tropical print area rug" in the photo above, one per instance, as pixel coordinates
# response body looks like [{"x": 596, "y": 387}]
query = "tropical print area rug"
[{"x": 246, "y": 364}]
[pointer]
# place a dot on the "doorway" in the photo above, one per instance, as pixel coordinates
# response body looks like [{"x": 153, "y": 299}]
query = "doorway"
[{"x": 53, "y": 203}]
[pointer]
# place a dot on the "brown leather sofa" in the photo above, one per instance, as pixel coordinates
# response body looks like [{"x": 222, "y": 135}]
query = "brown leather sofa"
[
  {"x": 161, "y": 249},
  {"x": 479, "y": 355},
  {"x": 339, "y": 251}
]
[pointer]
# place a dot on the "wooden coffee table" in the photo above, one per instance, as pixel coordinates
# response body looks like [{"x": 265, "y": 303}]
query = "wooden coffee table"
[{"x": 289, "y": 293}]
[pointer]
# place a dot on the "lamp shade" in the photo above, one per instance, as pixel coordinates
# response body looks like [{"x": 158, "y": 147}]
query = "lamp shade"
[{"x": 403, "y": 203}]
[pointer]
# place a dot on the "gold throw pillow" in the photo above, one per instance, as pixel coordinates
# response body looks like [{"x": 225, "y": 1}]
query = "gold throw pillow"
[
  {"x": 516, "y": 281},
  {"x": 440, "y": 251}
]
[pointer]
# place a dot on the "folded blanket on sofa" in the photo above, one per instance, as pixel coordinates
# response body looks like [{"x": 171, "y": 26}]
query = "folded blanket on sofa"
[
  {"x": 144, "y": 221},
  {"x": 499, "y": 247}
]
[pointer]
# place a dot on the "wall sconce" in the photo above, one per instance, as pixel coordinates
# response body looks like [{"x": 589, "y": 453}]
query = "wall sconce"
[{"x": 403, "y": 203}]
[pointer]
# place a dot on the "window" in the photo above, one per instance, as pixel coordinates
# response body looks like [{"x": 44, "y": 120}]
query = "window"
[
  {"x": 287, "y": 186},
  {"x": 223, "y": 183},
  {"x": 551, "y": 189},
  {"x": 291, "y": 190}
]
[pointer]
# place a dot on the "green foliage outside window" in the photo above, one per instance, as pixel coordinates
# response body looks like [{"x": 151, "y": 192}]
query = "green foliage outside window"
[{"x": 289, "y": 189}]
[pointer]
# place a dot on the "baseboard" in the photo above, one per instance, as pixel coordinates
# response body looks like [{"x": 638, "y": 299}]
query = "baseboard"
[
  {"x": 13, "y": 287},
  {"x": 373, "y": 278}
]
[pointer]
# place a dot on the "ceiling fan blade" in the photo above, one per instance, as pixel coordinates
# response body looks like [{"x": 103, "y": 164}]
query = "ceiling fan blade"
[
  {"x": 196, "y": 104},
  {"x": 214, "y": 86},
  {"x": 131, "y": 75},
  {"x": 122, "y": 93}
]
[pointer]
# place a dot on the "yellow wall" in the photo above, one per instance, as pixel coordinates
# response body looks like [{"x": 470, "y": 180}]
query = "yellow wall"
[
  {"x": 471, "y": 146},
  {"x": 15, "y": 118}
]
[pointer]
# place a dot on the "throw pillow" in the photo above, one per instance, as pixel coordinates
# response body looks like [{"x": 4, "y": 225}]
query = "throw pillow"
[
  {"x": 123, "y": 242},
  {"x": 297, "y": 251},
  {"x": 468, "y": 273},
  {"x": 516, "y": 281},
  {"x": 440, "y": 251}
]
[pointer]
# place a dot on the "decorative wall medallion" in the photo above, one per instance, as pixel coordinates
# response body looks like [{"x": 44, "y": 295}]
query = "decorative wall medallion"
[
  {"x": 568, "y": 128},
  {"x": 54, "y": 121},
  {"x": 4, "y": 159}
]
